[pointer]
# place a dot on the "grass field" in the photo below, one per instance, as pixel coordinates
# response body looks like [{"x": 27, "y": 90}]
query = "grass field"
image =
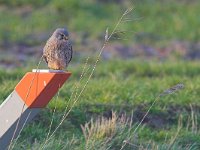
[
  {"x": 109, "y": 111},
  {"x": 177, "y": 19},
  {"x": 127, "y": 88}
]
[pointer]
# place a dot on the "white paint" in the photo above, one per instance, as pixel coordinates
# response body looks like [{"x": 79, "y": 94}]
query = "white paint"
[
  {"x": 47, "y": 70},
  {"x": 45, "y": 83}
]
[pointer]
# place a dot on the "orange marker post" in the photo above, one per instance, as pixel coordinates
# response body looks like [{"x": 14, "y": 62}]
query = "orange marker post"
[{"x": 31, "y": 94}]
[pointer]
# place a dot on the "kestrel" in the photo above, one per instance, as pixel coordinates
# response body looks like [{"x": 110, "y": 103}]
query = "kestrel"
[{"x": 58, "y": 50}]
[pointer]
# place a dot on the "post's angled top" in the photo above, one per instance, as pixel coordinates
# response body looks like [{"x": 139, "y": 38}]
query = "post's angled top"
[{"x": 37, "y": 88}]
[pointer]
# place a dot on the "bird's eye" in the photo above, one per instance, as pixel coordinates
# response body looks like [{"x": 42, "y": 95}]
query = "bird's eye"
[{"x": 60, "y": 36}]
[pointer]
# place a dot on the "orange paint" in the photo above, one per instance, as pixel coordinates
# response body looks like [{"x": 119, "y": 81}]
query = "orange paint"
[{"x": 37, "y": 88}]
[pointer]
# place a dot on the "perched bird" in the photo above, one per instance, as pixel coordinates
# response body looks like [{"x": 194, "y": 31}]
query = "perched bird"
[{"x": 58, "y": 50}]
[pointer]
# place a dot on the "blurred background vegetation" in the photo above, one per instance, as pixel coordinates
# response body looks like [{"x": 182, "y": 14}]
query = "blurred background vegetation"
[
  {"x": 155, "y": 28},
  {"x": 155, "y": 47}
]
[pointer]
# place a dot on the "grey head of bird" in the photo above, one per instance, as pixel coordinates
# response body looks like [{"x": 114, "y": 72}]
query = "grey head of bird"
[{"x": 61, "y": 34}]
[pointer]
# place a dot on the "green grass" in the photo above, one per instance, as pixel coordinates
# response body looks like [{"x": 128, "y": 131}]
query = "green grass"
[
  {"x": 124, "y": 87},
  {"x": 160, "y": 22},
  {"x": 127, "y": 87}
]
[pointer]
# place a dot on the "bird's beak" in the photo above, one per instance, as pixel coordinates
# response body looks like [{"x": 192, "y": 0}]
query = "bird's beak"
[{"x": 66, "y": 37}]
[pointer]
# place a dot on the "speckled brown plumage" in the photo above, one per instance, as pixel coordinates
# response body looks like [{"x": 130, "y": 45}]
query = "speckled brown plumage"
[{"x": 58, "y": 50}]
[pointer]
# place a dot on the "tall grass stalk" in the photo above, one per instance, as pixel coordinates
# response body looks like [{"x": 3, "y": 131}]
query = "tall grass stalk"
[
  {"x": 107, "y": 38},
  {"x": 75, "y": 89},
  {"x": 166, "y": 92}
]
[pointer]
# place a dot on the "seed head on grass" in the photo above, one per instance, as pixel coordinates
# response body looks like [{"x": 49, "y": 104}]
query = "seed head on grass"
[
  {"x": 172, "y": 89},
  {"x": 106, "y": 35},
  {"x": 107, "y": 38}
]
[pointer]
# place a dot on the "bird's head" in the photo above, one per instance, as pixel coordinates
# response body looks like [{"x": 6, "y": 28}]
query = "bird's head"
[{"x": 61, "y": 34}]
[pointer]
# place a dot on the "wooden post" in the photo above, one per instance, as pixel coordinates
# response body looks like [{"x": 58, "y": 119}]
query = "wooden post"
[{"x": 31, "y": 94}]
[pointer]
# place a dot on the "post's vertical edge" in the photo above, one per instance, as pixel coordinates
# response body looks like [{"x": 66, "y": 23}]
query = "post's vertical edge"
[{"x": 14, "y": 114}]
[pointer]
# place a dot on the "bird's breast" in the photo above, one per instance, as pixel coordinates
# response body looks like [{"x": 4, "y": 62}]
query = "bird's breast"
[{"x": 57, "y": 64}]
